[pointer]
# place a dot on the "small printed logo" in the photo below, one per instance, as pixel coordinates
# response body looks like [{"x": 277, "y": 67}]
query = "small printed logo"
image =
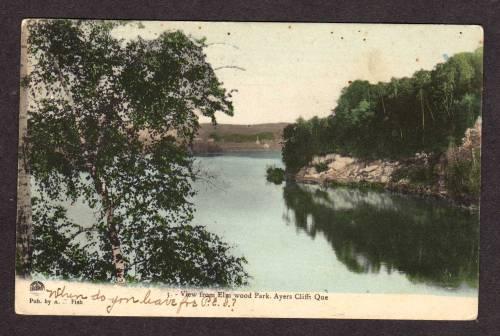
[{"x": 36, "y": 287}]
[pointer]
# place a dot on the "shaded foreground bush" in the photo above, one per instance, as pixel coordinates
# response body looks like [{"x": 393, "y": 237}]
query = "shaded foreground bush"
[{"x": 275, "y": 175}]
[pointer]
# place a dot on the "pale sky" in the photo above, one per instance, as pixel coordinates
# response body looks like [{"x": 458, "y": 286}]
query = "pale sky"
[{"x": 299, "y": 69}]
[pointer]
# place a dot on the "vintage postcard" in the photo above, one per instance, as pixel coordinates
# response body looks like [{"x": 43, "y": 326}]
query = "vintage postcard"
[{"x": 223, "y": 169}]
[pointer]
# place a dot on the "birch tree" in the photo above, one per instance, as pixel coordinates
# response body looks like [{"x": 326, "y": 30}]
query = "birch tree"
[
  {"x": 112, "y": 121},
  {"x": 24, "y": 227}
]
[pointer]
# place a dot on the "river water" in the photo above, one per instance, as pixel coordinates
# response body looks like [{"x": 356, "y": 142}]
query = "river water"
[{"x": 306, "y": 238}]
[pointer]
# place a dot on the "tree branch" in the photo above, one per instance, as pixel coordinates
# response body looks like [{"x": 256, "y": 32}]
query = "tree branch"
[
  {"x": 222, "y": 43},
  {"x": 230, "y": 67}
]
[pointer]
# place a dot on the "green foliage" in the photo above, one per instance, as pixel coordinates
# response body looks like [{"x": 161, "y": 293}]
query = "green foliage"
[
  {"x": 394, "y": 119},
  {"x": 416, "y": 174},
  {"x": 235, "y": 137},
  {"x": 57, "y": 253},
  {"x": 177, "y": 256},
  {"x": 304, "y": 139},
  {"x": 111, "y": 121},
  {"x": 190, "y": 256},
  {"x": 296, "y": 152},
  {"x": 463, "y": 177},
  {"x": 275, "y": 175},
  {"x": 321, "y": 167}
]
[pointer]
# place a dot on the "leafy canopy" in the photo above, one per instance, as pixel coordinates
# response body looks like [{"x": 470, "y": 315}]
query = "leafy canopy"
[
  {"x": 111, "y": 120},
  {"x": 426, "y": 112}
]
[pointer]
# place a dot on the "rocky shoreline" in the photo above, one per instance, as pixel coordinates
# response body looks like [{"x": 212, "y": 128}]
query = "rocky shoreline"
[
  {"x": 379, "y": 175},
  {"x": 383, "y": 175},
  {"x": 423, "y": 174}
]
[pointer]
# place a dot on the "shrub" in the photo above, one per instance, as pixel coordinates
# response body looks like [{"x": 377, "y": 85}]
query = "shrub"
[
  {"x": 463, "y": 177},
  {"x": 275, "y": 175},
  {"x": 321, "y": 167},
  {"x": 424, "y": 175}
]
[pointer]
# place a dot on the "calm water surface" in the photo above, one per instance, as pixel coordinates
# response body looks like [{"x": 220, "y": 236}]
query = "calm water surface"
[{"x": 305, "y": 238}]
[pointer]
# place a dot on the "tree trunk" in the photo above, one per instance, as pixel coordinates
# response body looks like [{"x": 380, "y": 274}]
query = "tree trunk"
[
  {"x": 423, "y": 116},
  {"x": 116, "y": 250},
  {"x": 383, "y": 106},
  {"x": 114, "y": 239},
  {"x": 24, "y": 226}
]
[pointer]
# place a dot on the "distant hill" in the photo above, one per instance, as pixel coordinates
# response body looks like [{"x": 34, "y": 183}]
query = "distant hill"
[{"x": 230, "y": 137}]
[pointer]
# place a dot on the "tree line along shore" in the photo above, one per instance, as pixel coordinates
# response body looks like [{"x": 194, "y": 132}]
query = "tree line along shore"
[{"x": 418, "y": 134}]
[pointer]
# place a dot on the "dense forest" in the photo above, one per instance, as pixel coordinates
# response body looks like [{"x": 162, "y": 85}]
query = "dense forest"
[{"x": 427, "y": 112}]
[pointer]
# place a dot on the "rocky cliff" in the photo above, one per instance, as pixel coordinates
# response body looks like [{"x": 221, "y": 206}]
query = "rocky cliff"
[{"x": 424, "y": 174}]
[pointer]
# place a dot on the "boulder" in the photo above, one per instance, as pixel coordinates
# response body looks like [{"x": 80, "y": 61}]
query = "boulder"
[
  {"x": 384, "y": 179},
  {"x": 370, "y": 168}
]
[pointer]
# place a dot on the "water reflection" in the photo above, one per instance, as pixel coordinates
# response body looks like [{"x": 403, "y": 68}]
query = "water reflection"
[{"x": 430, "y": 242}]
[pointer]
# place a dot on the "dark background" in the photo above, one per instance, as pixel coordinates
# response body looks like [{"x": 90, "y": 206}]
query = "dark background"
[{"x": 485, "y": 13}]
